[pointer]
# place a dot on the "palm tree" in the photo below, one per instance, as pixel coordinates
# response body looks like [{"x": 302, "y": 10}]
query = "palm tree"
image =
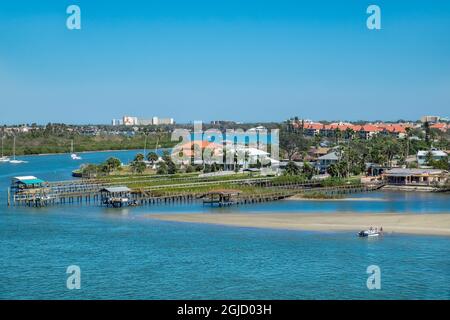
[
  {"x": 337, "y": 134},
  {"x": 152, "y": 157},
  {"x": 139, "y": 157},
  {"x": 426, "y": 127},
  {"x": 349, "y": 133},
  {"x": 112, "y": 164},
  {"x": 138, "y": 166}
]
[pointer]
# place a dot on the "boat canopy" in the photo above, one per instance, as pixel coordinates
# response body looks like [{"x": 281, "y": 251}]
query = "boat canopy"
[
  {"x": 116, "y": 189},
  {"x": 28, "y": 180}
]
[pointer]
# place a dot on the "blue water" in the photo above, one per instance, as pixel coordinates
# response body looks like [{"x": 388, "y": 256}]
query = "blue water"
[{"x": 123, "y": 255}]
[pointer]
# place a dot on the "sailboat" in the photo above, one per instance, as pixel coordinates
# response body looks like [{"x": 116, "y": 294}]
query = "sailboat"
[
  {"x": 14, "y": 160},
  {"x": 145, "y": 150},
  {"x": 3, "y": 158},
  {"x": 73, "y": 155}
]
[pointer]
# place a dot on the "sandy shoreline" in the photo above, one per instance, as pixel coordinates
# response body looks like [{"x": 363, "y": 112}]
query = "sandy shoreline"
[
  {"x": 301, "y": 198},
  {"x": 423, "y": 224}
]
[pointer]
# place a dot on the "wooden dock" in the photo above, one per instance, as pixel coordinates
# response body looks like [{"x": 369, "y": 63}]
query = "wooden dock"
[{"x": 90, "y": 192}]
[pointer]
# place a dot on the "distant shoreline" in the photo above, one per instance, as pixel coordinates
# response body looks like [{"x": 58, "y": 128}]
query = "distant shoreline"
[
  {"x": 83, "y": 152},
  {"x": 405, "y": 223}
]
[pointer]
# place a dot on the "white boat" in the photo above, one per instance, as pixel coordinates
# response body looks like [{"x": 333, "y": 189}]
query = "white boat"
[
  {"x": 3, "y": 158},
  {"x": 369, "y": 233},
  {"x": 73, "y": 155},
  {"x": 14, "y": 160}
]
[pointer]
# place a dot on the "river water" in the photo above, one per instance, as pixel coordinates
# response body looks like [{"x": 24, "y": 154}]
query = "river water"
[{"x": 125, "y": 256}]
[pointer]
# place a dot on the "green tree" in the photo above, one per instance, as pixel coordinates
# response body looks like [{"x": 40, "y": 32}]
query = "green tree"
[
  {"x": 440, "y": 164},
  {"x": 429, "y": 158},
  {"x": 293, "y": 143},
  {"x": 333, "y": 170},
  {"x": 152, "y": 157},
  {"x": 162, "y": 168},
  {"x": 292, "y": 169},
  {"x": 138, "y": 167},
  {"x": 89, "y": 170},
  {"x": 139, "y": 157},
  {"x": 171, "y": 167},
  {"x": 113, "y": 164},
  {"x": 166, "y": 156},
  {"x": 308, "y": 170}
]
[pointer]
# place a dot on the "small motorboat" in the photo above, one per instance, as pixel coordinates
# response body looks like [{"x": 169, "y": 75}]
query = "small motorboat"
[
  {"x": 74, "y": 156},
  {"x": 369, "y": 233}
]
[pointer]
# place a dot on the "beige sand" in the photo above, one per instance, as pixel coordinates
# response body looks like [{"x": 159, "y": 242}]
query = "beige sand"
[
  {"x": 426, "y": 224},
  {"x": 301, "y": 198}
]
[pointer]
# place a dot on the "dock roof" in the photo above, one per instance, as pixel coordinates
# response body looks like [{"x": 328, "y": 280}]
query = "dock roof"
[
  {"x": 28, "y": 180},
  {"x": 116, "y": 189}
]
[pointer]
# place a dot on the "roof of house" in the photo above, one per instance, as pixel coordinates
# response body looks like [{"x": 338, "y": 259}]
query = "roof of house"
[
  {"x": 314, "y": 126},
  {"x": 198, "y": 145},
  {"x": 329, "y": 156},
  {"x": 408, "y": 172},
  {"x": 319, "y": 150},
  {"x": 441, "y": 126},
  {"x": 436, "y": 153},
  {"x": 370, "y": 128}
]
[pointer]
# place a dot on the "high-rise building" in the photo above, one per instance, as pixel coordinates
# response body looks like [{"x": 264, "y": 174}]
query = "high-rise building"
[
  {"x": 130, "y": 121},
  {"x": 432, "y": 119},
  {"x": 134, "y": 121}
]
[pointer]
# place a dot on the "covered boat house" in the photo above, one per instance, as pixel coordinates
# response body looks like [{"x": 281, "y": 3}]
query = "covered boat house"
[
  {"x": 221, "y": 197},
  {"x": 415, "y": 177},
  {"x": 24, "y": 183},
  {"x": 116, "y": 196}
]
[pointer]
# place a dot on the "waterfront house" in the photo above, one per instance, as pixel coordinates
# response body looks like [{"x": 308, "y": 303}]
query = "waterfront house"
[
  {"x": 325, "y": 161},
  {"x": 415, "y": 177},
  {"x": 436, "y": 155},
  {"x": 195, "y": 152}
]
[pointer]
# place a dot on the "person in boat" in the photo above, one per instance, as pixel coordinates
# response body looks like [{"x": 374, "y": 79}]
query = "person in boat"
[{"x": 381, "y": 229}]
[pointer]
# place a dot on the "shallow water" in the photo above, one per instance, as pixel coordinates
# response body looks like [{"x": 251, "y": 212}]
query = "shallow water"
[{"x": 122, "y": 255}]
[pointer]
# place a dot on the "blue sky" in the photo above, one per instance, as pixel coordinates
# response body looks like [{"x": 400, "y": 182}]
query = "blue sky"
[{"x": 247, "y": 60}]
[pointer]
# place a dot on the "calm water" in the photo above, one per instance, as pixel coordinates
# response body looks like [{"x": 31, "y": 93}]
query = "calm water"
[{"x": 123, "y": 255}]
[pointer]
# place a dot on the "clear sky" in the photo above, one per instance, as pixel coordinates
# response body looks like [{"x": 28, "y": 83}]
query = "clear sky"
[{"x": 246, "y": 60}]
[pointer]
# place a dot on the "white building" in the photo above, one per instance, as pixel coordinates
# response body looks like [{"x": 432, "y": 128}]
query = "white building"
[
  {"x": 432, "y": 119},
  {"x": 161, "y": 121},
  {"x": 135, "y": 121},
  {"x": 437, "y": 155},
  {"x": 130, "y": 121}
]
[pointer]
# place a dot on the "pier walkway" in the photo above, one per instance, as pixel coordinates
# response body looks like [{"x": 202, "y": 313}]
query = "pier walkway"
[{"x": 89, "y": 191}]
